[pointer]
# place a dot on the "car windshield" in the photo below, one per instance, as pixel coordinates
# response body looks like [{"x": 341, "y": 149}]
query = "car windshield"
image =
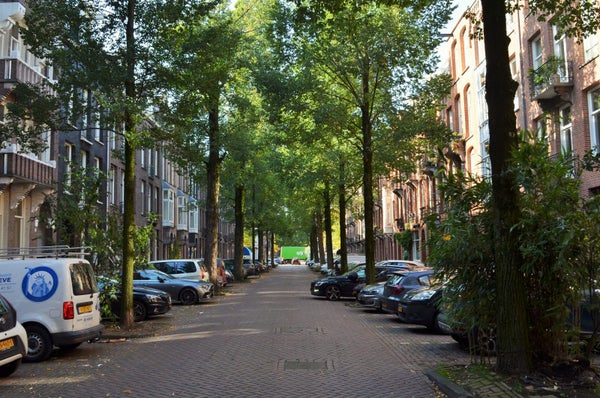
[{"x": 151, "y": 275}]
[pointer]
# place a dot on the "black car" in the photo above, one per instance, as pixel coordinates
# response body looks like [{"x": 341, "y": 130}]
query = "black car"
[
  {"x": 336, "y": 287},
  {"x": 146, "y": 301},
  {"x": 384, "y": 270},
  {"x": 421, "y": 306},
  {"x": 402, "y": 282}
]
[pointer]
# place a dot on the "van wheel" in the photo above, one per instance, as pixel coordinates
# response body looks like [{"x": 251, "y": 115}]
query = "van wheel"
[
  {"x": 9, "y": 368},
  {"x": 139, "y": 311},
  {"x": 39, "y": 342},
  {"x": 188, "y": 297}
]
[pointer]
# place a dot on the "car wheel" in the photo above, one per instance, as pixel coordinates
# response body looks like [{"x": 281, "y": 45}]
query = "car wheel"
[
  {"x": 188, "y": 297},
  {"x": 332, "y": 293},
  {"x": 39, "y": 342},
  {"x": 9, "y": 368},
  {"x": 139, "y": 311}
]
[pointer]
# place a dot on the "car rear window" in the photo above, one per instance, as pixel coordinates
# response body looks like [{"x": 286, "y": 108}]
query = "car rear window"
[{"x": 83, "y": 279}]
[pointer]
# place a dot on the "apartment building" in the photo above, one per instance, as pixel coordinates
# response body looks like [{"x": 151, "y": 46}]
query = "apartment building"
[
  {"x": 28, "y": 179},
  {"x": 558, "y": 97},
  {"x": 25, "y": 178}
]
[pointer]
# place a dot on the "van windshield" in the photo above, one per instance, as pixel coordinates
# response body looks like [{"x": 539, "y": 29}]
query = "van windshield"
[{"x": 83, "y": 279}]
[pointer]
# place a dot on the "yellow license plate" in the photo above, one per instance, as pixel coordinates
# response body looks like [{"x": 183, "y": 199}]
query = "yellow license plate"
[
  {"x": 84, "y": 309},
  {"x": 400, "y": 309},
  {"x": 6, "y": 344}
]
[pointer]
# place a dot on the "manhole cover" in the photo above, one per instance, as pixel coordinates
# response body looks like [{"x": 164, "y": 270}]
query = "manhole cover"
[{"x": 305, "y": 365}]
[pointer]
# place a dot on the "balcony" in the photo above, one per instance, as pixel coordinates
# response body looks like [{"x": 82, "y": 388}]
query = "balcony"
[
  {"x": 13, "y": 71},
  {"x": 552, "y": 82},
  {"x": 19, "y": 168}
]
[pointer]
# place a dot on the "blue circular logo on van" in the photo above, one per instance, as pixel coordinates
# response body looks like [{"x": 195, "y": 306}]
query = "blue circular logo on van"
[{"x": 39, "y": 284}]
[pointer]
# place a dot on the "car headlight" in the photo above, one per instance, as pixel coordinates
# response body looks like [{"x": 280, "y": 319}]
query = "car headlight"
[
  {"x": 153, "y": 298},
  {"x": 424, "y": 295},
  {"x": 319, "y": 283}
]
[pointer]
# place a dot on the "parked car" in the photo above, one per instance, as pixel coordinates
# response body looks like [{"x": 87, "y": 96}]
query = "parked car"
[
  {"x": 384, "y": 270},
  {"x": 146, "y": 301},
  {"x": 183, "y": 268},
  {"x": 336, "y": 287},
  {"x": 13, "y": 339},
  {"x": 185, "y": 291},
  {"x": 229, "y": 264},
  {"x": 370, "y": 296},
  {"x": 403, "y": 281},
  {"x": 422, "y": 306}
]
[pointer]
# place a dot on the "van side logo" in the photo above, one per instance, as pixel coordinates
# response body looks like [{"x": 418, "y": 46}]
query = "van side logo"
[{"x": 39, "y": 284}]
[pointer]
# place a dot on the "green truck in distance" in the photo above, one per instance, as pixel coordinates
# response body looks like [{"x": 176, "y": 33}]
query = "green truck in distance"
[{"x": 288, "y": 253}]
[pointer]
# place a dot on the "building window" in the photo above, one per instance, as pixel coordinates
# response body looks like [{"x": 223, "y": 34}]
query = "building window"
[
  {"x": 536, "y": 53},
  {"x": 590, "y": 47},
  {"x": 168, "y": 210},
  {"x": 112, "y": 184},
  {"x": 193, "y": 212},
  {"x": 45, "y": 155},
  {"x": 560, "y": 49},
  {"x": 594, "y": 107},
  {"x": 182, "y": 212},
  {"x": 566, "y": 139}
]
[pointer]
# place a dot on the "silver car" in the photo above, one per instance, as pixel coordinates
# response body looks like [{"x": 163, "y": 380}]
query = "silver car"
[
  {"x": 185, "y": 291},
  {"x": 370, "y": 296}
]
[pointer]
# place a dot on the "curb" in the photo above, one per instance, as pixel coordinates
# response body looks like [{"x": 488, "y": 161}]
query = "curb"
[{"x": 452, "y": 390}]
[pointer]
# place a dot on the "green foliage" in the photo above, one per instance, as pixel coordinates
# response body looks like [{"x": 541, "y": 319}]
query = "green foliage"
[{"x": 555, "y": 242}]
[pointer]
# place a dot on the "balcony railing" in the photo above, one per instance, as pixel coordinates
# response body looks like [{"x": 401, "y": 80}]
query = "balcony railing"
[
  {"x": 13, "y": 71},
  {"x": 552, "y": 79},
  {"x": 24, "y": 168}
]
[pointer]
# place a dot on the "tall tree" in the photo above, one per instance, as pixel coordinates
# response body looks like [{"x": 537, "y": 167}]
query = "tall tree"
[
  {"x": 203, "y": 55},
  {"x": 574, "y": 18},
  {"x": 372, "y": 54},
  {"x": 107, "y": 48}
]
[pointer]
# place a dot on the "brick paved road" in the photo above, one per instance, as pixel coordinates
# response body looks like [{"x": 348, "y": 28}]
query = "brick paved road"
[{"x": 269, "y": 338}]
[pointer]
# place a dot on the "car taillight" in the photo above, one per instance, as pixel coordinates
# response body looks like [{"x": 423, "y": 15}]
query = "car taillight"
[
  {"x": 397, "y": 290},
  {"x": 68, "y": 310}
]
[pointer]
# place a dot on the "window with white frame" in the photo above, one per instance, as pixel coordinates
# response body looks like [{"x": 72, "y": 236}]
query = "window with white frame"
[
  {"x": 590, "y": 47},
  {"x": 122, "y": 192},
  {"x": 84, "y": 159},
  {"x": 143, "y": 158},
  {"x": 536, "y": 53},
  {"x": 45, "y": 155},
  {"x": 143, "y": 196},
  {"x": 594, "y": 109},
  {"x": 168, "y": 210},
  {"x": 182, "y": 212},
  {"x": 566, "y": 138},
  {"x": 560, "y": 49},
  {"x": 193, "y": 212},
  {"x": 69, "y": 155},
  {"x": 112, "y": 181}
]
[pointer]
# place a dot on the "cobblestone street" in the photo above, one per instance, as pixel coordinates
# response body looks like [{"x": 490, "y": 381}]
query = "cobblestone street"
[{"x": 268, "y": 337}]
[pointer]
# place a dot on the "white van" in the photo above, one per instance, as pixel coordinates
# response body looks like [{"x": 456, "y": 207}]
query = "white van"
[
  {"x": 56, "y": 299},
  {"x": 183, "y": 268}
]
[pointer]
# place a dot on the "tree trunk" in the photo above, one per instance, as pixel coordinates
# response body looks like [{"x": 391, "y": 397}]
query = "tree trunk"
[
  {"x": 212, "y": 191},
  {"x": 239, "y": 233},
  {"x": 513, "y": 347},
  {"x": 367, "y": 153},
  {"x": 327, "y": 220},
  {"x": 126, "y": 318},
  {"x": 342, "y": 207},
  {"x": 319, "y": 228},
  {"x": 314, "y": 243}
]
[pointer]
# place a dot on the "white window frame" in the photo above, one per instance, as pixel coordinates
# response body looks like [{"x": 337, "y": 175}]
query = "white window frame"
[
  {"x": 566, "y": 131},
  {"x": 168, "y": 208},
  {"x": 594, "y": 110},
  {"x": 536, "y": 53}
]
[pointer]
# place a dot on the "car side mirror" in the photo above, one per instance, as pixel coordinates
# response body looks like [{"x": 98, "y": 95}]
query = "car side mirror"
[{"x": 353, "y": 276}]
